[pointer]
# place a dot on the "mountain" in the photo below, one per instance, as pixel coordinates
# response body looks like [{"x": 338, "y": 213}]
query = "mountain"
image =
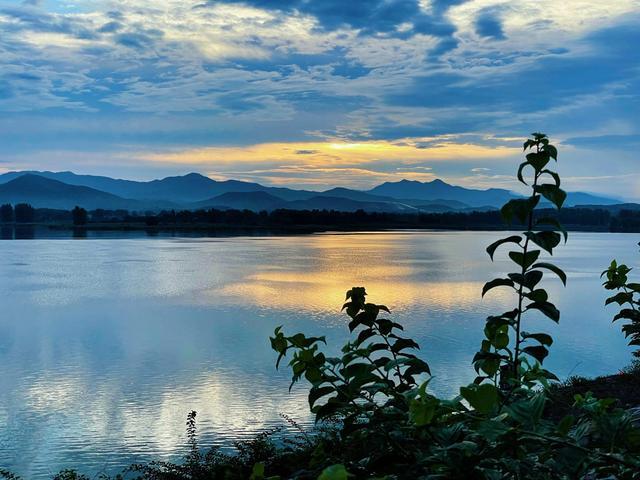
[
  {"x": 581, "y": 198},
  {"x": 614, "y": 208},
  {"x": 192, "y": 187},
  {"x": 242, "y": 200},
  {"x": 437, "y": 189},
  {"x": 355, "y": 195},
  {"x": 46, "y": 193},
  {"x": 198, "y": 191},
  {"x": 437, "y": 204}
]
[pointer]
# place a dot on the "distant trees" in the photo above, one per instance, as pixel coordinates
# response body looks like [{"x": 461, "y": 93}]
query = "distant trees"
[
  {"x": 24, "y": 213},
  {"x": 6, "y": 213},
  {"x": 79, "y": 215},
  {"x": 575, "y": 218}
]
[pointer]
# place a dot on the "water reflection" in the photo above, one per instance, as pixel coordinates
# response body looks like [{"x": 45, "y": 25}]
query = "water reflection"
[
  {"x": 24, "y": 232},
  {"x": 105, "y": 345}
]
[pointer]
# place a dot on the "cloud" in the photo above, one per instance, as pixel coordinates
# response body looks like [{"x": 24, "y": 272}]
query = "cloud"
[
  {"x": 188, "y": 75},
  {"x": 488, "y": 25},
  {"x": 370, "y": 17}
]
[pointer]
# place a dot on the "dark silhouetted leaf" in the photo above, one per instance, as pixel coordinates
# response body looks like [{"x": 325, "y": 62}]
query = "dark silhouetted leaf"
[
  {"x": 497, "y": 282},
  {"x": 491, "y": 249},
  {"x": 550, "y": 266}
]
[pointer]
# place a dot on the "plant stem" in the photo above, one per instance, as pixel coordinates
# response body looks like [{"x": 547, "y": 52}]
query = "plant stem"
[{"x": 525, "y": 249}]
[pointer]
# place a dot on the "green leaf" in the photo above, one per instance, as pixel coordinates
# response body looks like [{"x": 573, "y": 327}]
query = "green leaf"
[
  {"x": 565, "y": 425},
  {"x": 554, "y": 194},
  {"x": 482, "y": 398},
  {"x": 491, "y": 249},
  {"x": 501, "y": 340},
  {"x": 525, "y": 260},
  {"x": 546, "y": 239},
  {"x": 554, "y": 222},
  {"x": 318, "y": 392},
  {"x": 550, "y": 266},
  {"x": 520, "y": 170},
  {"x": 538, "y": 295},
  {"x": 529, "y": 279},
  {"x": 329, "y": 409},
  {"x": 402, "y": 343},
  {"x": 620, "y": 298},
  {"x": 553, "y": 175},
  {"x": 497, "y": 282},
  {"x": 364, "y": 335},
  {"x": 257, "y": 473},
  {"x": 538, "y": 160},
  {"x": 423, "y": 409},
  {"x": 547, "y": 309},
  {"x": 489, "y": 366},
  {"x": 538, "y": 352},
  {"x": 552, "y": 151},
  {"x": 543, "y": 338},
  {"x": 521, "y": 208},
  {"x": 629, "y": 314},
  {"x": 334, "y": 472}
]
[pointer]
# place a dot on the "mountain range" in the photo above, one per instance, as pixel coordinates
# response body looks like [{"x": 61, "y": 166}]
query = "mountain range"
[{"x": 64, "y": 190}]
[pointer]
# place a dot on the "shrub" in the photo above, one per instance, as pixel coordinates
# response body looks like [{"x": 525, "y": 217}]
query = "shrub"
[{"x": 628, "y": 298}]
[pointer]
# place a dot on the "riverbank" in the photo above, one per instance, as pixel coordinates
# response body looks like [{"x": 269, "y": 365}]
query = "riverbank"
[
  {"x": 623, "y": 387},
  {"x": 68, "y": 230}
]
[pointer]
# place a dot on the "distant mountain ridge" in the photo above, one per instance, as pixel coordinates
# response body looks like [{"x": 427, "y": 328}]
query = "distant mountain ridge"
[
  {"x": 45, "y": 192},
  {"x": 442, "y": 190},
  {"x": 193, "y": 190}
]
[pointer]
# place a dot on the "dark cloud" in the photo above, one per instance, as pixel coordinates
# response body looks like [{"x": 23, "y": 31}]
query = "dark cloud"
[
  {"x": 488, "y": 25},
  {"x": 547, "y": 82},
  {"x": 110, "y": 27},
  {"x": 370, "y": 17},
  {"x": 237, "y": 103},
  {"x": 617, "y": 142},
  {"x": 139, "y": 39},
  {"x": 29, "y": 18}
]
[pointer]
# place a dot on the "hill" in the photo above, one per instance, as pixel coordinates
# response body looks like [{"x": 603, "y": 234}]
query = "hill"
[
  {"x": 442, "y": 191},
  {"x": 248, "y": 200},
  {"x": 46, "y": 193},
  {"x": 198, "y": 191}
]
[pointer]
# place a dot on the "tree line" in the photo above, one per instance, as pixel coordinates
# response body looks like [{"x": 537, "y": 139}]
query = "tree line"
[{"x": 576, "y": 218}]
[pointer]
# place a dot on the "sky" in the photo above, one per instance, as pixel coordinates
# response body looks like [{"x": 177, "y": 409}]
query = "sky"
[{"x": 322, "y": 93}]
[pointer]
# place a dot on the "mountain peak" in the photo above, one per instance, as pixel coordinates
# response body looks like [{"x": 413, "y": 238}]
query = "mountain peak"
[
  {"x": 195, "y": 175},
  {"x": 438, "y": 189},
  {"x": 437, "y": 181}
]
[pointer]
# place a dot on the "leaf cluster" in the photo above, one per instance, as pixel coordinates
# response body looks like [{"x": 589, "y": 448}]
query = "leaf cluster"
[{"x": 627, "y": 298}]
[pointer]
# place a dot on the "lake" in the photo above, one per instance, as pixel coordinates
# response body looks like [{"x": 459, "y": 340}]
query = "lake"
[{"x": 107, "y": 344}]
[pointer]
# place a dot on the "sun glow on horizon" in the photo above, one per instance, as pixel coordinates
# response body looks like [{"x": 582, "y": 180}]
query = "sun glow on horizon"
[{"x": 408, "y": 150}]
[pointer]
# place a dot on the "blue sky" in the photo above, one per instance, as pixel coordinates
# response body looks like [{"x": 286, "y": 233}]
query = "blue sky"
[{"x": 315, "y": 94}]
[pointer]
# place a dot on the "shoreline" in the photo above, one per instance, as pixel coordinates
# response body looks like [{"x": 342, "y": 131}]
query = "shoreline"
[{"x": 25, "y": 231}]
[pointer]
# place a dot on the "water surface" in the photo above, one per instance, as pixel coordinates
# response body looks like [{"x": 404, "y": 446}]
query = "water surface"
[{"x": 107, "y": 344}]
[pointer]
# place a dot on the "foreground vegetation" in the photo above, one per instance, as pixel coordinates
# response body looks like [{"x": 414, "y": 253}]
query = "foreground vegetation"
[{"x": 377, "y": 418}]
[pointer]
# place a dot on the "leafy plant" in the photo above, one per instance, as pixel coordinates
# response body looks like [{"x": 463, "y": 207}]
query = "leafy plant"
[
  {"x": 509, "y": 355},
  {"x": 628, "y": 298},
  {"x": 497, "y": 427}
]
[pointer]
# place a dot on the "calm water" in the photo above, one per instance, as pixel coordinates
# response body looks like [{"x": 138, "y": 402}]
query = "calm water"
[{"x": 106, "y": 345}]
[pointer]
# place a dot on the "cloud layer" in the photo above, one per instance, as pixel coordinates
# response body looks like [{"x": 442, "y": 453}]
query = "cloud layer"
[{"x": 143, "y": 88}]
